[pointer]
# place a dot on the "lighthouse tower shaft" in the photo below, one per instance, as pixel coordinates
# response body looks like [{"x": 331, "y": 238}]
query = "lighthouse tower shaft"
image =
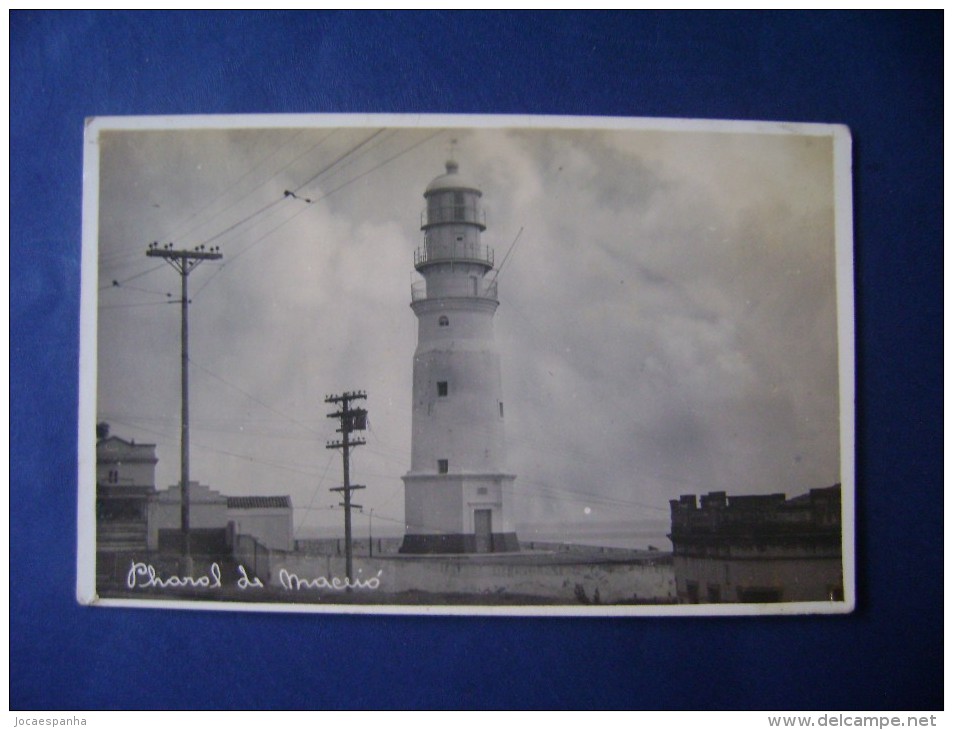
[{"x": 458, "y": 494}]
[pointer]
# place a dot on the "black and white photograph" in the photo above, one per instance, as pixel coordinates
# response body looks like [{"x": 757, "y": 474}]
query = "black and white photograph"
[{"x": 463, "y": 364}]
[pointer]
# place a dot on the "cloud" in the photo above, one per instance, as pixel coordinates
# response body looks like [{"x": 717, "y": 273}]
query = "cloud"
[{"x": 667, "y": 318}]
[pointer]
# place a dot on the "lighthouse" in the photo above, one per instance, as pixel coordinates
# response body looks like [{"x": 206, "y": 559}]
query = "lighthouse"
[{"x": 458, "y": 495}]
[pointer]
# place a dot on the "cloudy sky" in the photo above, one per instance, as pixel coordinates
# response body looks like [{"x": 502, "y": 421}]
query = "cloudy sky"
[{"x": 667, "y": 322}]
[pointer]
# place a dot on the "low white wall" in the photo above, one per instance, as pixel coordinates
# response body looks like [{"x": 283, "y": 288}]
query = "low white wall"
[{"x": 615, "y": 581}]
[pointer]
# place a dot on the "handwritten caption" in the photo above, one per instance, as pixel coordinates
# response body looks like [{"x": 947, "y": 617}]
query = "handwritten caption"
[{"x": 144, "y": 575}]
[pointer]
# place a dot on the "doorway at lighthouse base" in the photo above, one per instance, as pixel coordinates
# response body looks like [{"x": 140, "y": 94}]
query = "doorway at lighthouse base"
[{"x": 459, "y": 513}]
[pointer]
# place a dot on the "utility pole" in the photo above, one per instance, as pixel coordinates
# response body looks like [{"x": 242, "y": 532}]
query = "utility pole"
[
  {"x": 184, "y": 262},
  {"x": 370, "y": 534},
  {"x": 352, "y": 419}
]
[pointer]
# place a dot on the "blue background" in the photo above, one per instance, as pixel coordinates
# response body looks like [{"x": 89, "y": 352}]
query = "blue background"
[{"x": 881, "y": 74}]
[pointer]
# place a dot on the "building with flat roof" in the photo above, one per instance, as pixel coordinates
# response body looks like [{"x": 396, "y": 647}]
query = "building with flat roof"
[
  {"x": 125, "y": 482},
  {"x": 133, "y": 516},
  {"x": 758, "y": 548},
  {"x": 268, "y": 519}
]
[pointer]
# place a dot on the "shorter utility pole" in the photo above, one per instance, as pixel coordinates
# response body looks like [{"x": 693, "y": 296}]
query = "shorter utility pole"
[
  {"x": 184, "y": 261},
  {"x": 370, "y": 534},
  {"x": 351, "y": 419}
]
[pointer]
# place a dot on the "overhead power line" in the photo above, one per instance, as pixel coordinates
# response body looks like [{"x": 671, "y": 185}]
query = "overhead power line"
[
  {"x": 290, "y": 194},
  {"x": 379, "y": 165},
  {"x": 180, "y": 235},
  {"x": 314, "y": 494},
  {"x": 111, "y": 259},
  {"x": 170, "y": 440},
  {"x": 272, "y": 230},
  {"x": 118, "y": 257},
  {"x": 243, "y": 220},
  {"x": 251, "y": 397},
  {"x": 133, "y": 304},
  {"x": 323, "y": 170},
  {"x": 131, "y": 278}
]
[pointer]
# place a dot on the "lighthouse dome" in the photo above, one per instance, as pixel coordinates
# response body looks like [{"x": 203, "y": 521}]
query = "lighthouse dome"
[{"x": 451, "y": 180}]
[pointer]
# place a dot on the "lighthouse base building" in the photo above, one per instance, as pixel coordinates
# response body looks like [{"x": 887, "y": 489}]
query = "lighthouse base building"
[
  {"x": 466, "y": 514},
  {"x": 458, "y": 494}
]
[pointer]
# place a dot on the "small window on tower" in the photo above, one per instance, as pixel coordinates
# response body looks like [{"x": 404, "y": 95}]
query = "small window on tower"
[
  {"x": 501, "y": 409},
  {"x": 443, "y": 466},
  {"x": 444, "y": 321},
  {"x": 442, "y": 388}
]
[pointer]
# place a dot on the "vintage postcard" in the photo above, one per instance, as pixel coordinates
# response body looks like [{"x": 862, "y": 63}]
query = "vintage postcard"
[{"x": 458, "y": 364}]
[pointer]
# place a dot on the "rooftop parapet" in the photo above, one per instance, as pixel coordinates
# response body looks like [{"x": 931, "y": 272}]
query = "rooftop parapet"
[{"x": 720, "y": 516}]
